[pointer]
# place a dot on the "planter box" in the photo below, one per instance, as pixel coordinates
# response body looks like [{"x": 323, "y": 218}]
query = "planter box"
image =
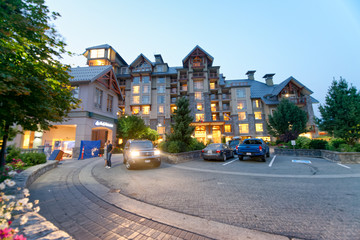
[
  {"x": 175, "y": 158},
  {"x": 340, "y": 157}
]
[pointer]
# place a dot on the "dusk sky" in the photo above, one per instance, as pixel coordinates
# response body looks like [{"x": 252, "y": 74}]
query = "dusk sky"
[{"x": 311, "y": 40}]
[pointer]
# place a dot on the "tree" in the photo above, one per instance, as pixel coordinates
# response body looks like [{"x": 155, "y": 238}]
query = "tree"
[
  {"x": 181, "y": 127},
  {"x": 34, "y": 85},
  {"x": 287, "y": 122},
  {"x": 340, "y": 115},
  {"x": 133, "y": 127}
]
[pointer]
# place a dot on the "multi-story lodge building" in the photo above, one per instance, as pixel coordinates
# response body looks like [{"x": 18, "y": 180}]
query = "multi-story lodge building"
[{"x": 221, "y": 108}]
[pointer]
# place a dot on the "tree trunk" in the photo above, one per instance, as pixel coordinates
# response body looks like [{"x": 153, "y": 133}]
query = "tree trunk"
[{"x": 3, "y": 147}]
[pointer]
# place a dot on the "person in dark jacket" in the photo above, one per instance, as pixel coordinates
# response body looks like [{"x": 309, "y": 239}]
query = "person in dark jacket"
[{"x": 109, "y": 149}]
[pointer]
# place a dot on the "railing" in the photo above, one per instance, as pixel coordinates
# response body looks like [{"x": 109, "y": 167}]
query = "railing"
[
  {"x": 225, "y": 97},
  {"x": 173, "y": 100},
  {"x": 297, "y": 100},
  {"x": 214, "y": 109},
  {"x": 183, "y": 77},
  {"x": 173, "y": 81},
  {"x": 197, "y": 65},
  {"x": 183, "y": 89},
  {"x": 173, "y": 90},
  {"x": 214, "y": 87},
  {"x": 213, "y": 75},
  {"x": 226, "y": 108},
  {"x": 214, "y": 97},
  {"x": 197, "y": 75}
]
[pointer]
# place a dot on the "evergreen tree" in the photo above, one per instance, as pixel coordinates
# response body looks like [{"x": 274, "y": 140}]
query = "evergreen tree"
[
  {"x": 181, "y": 129},
  {"x": 34, "y": 85},
  {"x": 340, "y": 115},
  {"x": 287, "y": 122}
]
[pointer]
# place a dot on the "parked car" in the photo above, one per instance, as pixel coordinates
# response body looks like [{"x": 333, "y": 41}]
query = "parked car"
[
  {"x": 233, "y": 143},
  {"x": 253, "y": 147},
  {"x": 140, "y": 153},
  {"x": 217, "y": 151}
]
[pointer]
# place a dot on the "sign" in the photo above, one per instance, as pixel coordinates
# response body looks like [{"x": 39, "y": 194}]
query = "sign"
[
  {"x": 293, "y": 142},
  {"x": 103, "y": 124},
  {"x": 301, "y": 161}
]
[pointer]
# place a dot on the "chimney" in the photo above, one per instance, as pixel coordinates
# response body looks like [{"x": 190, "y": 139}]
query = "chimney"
[
  {"x": 269, "y": 79},
  {"x": 250, "y": 74}
]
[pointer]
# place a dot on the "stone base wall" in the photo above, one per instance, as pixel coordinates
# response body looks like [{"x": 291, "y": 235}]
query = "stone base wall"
[
  {"x": 340, "y": 157},
  {"x": 175, "y": 158}
]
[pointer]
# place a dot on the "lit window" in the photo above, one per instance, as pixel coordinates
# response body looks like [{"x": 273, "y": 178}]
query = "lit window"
[
  {"x": 198, "y": 85},
  {"x": 136, "y": 80},
  {"x": 226, "y": 117},
  {"x": 145, "y": 89},
  {"x": 135, "y": 110},
  {"x": 136, "y": 89},
  {"x": 97, "y": 53},
  {"x": 161, "y": 99},
  {"x": 259, "y": 127},
  {"x": 241, "y": 105},
  {"x": 161, "y": 109},
  {"x": 212, "y": 85},
  {"x": 173, "y": 109},
  {"x": 109, "y": 107},
  {"x": 146, "y": 110},
  {"x": 243, "y": 128},
  {"x": 199, "y": 117},
  {"x": 109, "y": 54},
  {"x": 145, "y": 79},
  {"x": 257, "y": 104},
  {"x": 242, "y": 116},
  {"x": 227, "y": 128},
  {"x": 161, "y": 80},
  {"x": 198, "y": 96},
  {"x": 240, "y": 93},
  {"x": 214, "y": 117},
  {"x": 145, "y": 99},
  {"x": 184, "y": 87},
  {"x": 199, "y": 106},
  {"x": 98, "y": 98},
  {"x": 161, "y": 130},
  {"x": 136, "y": 99},
  {"x": 213, "y": 107},
  {"x": 161, "y": 89},
  {"x": 258, "y": 115}
]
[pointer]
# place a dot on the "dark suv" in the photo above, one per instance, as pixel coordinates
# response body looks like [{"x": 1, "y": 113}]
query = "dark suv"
[{"x": 140, "y": 152}]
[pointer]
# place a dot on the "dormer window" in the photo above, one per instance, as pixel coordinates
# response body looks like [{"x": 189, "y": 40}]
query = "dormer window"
[
  {"x": 142, "y": 67},
  {"x": 160, "y": 68},
  {"x": 97, "y": 53}
]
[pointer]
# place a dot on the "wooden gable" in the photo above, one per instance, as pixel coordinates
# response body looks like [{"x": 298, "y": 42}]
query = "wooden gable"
[{"x": 109, "y": 81}]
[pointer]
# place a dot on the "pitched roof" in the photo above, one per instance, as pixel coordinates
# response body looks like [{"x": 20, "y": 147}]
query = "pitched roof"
[
  {"x": 88, "y": 74},
  {"x": 106, "y": 46},
  {"x": 197, "y": 46},
  {"x": 280, "y": 86},
  {"x": 141, "y": 56}
]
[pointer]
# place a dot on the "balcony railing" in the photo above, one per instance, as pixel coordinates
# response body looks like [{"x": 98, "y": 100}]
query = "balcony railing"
[
  {"x": 297, "y": 100},
  {"x": 214, "y": 87},
  {"x": 213, "y": 75},
  {"x": 214, "y": 97},
  {"x": 183, "y": 88},
  {"x": 173, "y": 90},
  {"x": 214, "y": 109},
  {"x": 197, "y": 65},
  {"x": 183, "y": 77},
  {"x": 198, "y": 75},
  {"x": 225, "y": 97}
]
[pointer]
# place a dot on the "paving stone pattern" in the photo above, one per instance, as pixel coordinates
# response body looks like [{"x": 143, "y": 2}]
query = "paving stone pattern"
[{"x": 72, "y": 208}]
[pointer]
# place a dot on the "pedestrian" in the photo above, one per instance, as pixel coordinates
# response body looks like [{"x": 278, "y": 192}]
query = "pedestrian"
[
  {"x": 109, "y": 149},
  {"x": 105, "y": 154}
]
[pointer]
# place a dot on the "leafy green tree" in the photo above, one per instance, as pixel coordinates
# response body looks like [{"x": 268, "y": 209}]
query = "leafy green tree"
[
  {"x": 133, "y": 127},
  {"x": 34, "y": 85},
  {"x": 181, "y": 129},
  {"x": 287, "y": 122},
  {"x": 340, "y": 115}
]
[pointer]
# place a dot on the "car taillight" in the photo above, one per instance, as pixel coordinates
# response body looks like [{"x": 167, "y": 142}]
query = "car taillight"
[
  {"x": 218, "y": 151},
  {"x": 237, "y": 147},
  {"x": 202, "y": 151},
  {"x": 260, "y": 148}
]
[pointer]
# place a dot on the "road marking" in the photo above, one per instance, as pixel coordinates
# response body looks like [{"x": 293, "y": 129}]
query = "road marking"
[
  {"x": 229, "y": 162},
  {"x": 343, "y": 165},
  {"x": 272, "y": 161},
  {"x": 301, "y": 161}
]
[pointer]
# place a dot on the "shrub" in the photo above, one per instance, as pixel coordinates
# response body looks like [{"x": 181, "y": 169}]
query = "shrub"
[
  {"x": 334, "y": 144},
  {"x": 32, "y": 159},
  {"x": 346, "y": 148},
  {"x": 196, "y": 145},
  {"x": 317, "y": 144},
  {"x": 176, "y": 147},
  {"x": 303, "y": 142},
  {"x": 357, "y": 147},
  {"x": 13, "y": 153}
]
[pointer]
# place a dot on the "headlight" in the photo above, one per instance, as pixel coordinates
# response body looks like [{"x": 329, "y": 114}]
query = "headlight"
[
  {"x": 134, "y": 153},
  {"x": 157, "y": 152}
]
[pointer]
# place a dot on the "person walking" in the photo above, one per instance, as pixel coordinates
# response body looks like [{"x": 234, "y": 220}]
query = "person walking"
[
  {"x": 105, "y": 153},
  {"x": 109, "y": 149}
]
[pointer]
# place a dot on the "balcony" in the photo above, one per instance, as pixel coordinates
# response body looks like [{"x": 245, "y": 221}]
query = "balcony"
[
  {"x": 183, "y": 77},
  {"x": 122, "y": 83},
  {"x": 173, "y": 100},
  {"x": 214, "y": 76},
  {"x": 297, "y": 100},
  {"x": 173, "y": 81},
  {"x": 214, "y": 87},
  {"x": 173, "y": 91},
  {"x": 215, "y": 109},
  {"x": 198, "y": 65},
  {"x": 226, "y": 97},
  {"x": 214, "y": 97},
  {"x": 198, "y": 75},
  {"x": 226, "y": 108},
  {"x": 183, "y": 89}
]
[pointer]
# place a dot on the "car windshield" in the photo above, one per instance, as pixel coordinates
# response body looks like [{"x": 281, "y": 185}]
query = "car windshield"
[
  {"x": 145, "y": 144},
  {"x": 252, "y": 141},
  {"x": 214, "y": 146},
  {"x": 233, "y": 143}
]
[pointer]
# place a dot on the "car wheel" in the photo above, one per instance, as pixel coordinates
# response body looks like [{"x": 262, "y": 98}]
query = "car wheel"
[
  {"x": 232, "y": 154},
  {"x": 268, "y": 154},
  {"x": 263, "y": 158},
  {"x": 224, "y": 157},
  {"x": 241, "y": 158},
  {"x": 157, "y": 164},
  {"x": 128, "y": 165}
]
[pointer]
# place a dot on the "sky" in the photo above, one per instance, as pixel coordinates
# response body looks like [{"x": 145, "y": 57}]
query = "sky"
[{"x": 314, "y": 41}]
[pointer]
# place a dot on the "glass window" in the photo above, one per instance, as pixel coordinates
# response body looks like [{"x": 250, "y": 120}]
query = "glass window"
[
  {"x": 136, "y": 99},
  {"x": 258, "y": 115},
  {"x": 173, "y": 108},
  {"x": 75, "y": 91},
  {"x": 145, "y": 79},
  {"x": 240, "y": 93},
  {"x": 259, "y": 127},
  {"x": 136, "y": 89},
  {"x": 198, "y": 96},
  {"x": 145, "y": 89},
  {"x": 145, "y": 99},
  {"x": 227, "y": 128},
  {"x": 97, "y": 53},
  {"x": 242, "y": 116},
  {"x": 160, "y": 68},
  {"x": 241, "y": 105},
  {"x": 109, "y": 106},
  {"x": 212, "y": 85},
  {"x": 161, "y": 80},
  {"x": 199, "y": 117},
  {"x": 135, "y": 110},
  {"x": 214, "y": 117},
  {"x": 227, "y": 117},
  {"x": 199, "y": 106},
  {"x": 161, "y": 109},
  {"x": 256, "y": 104},
  {"x": 109, "y": 54},
  {"x": 161, "y": 99},
  {"x": 213, "y": 107},
  {"x": 161, "y": 130},
  {"x": 243, "y": 128},
  {"x": 98, "y": 98},
  {"x": 161, "y": 89},
  {"x": 198, "y": 85},
  {"x": 146, "y": 110},
  {"x": 136, "y": 80}
]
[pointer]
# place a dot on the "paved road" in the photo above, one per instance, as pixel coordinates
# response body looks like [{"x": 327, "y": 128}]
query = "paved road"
[{"x": 316, "y": 200}]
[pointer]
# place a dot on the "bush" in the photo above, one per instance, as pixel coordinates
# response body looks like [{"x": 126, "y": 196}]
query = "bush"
[
  {"x": 334, "y": 144},
  {"x": 13, "y": 153},
  {"x": 32, "y": 159},
  {"x": 317, "y": 144},
  {"x": 176, "y": 147},
  {"x": 196, "y": 145},
  {"x": 303, "y": 142}
]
